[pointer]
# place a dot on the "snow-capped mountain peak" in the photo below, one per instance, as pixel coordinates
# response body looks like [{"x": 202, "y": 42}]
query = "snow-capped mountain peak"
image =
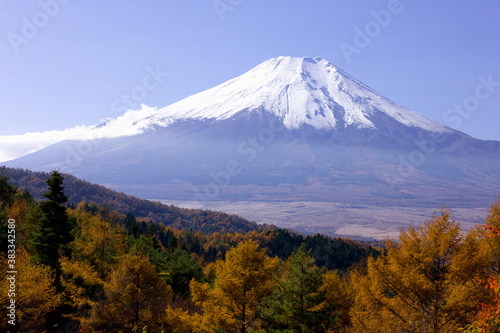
[{"x": 298, "y": 91}]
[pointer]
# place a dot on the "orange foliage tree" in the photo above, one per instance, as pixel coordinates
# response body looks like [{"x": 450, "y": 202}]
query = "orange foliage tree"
[
  {"x": 242, "y": 280},
  {"x": 135, "y": 299},
  {"x": 428, "y": 282},
  {"x": 488, "y": 319},
  {"x": 34, "y": 294}
]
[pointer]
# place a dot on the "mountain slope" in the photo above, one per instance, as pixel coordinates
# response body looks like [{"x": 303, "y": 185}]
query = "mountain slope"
[
  {"x": 298, "y": 91},
  {"x": 78, "y": 190},
  {"x": 289, "y": 129}
]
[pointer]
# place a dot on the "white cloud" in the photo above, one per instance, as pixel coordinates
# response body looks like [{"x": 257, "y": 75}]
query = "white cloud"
[{"x": 132, "y": 122}]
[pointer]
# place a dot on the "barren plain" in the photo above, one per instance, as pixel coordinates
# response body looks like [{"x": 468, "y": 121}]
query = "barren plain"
[{"x": 336, "y": 219}]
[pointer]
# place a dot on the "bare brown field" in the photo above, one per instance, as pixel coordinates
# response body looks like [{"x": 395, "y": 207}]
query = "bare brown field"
[{"x": 335, "y": 219}]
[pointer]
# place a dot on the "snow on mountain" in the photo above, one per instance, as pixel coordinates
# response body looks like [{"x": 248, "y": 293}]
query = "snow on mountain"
[
  {"x": 298, "y": 91},
  {"x": 346, "y": 143}
]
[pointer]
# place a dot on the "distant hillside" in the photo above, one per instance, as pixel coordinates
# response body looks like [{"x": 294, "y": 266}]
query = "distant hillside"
[{"x": 79, "y": 190}]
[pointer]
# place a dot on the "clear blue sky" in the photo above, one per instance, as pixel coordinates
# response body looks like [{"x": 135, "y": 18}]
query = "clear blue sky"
[{"x": 83, "y": 55}]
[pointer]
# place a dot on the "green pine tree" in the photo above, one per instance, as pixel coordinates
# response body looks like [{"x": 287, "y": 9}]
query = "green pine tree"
[
  {"x": 298, "y": 303},
  {"x": 131, "y": 225},
  {"x": 7, "y": 192},
  {"x": 54, "y": 227}
]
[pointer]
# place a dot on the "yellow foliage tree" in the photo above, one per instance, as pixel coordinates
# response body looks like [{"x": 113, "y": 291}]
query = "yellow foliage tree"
[
  {"x": 34, "y": 294},
  {"x": 82, "y": 286},
  {"x": 488, "y": 319},
  {"x": 135, "y": 298},
  {"x": 242, "y": 280},
  {"x": 339, "y": 292},
  {"x": 428, "y": 282},
  {"x": 19, "y": 207},
  {"x": 25, "y": 212},
  {"x": 181, "y": 321},
  {"x": 96, "y": 247},
  {"x": 97, "y": 242},
  {"x": 492, "y": 229}
]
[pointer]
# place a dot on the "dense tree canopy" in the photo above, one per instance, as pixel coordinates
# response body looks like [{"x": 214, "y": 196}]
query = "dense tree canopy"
[
  {"x": 242, "y": 280},
  {"x": 78, "y": 190},
  {"x": 428, "y": 282},
  {"x": 89, "y": 268}
]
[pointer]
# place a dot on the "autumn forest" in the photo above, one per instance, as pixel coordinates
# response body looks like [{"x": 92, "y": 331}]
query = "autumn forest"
[{"x": 89, "y": 268}]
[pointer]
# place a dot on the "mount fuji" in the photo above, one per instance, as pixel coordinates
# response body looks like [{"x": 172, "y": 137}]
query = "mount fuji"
[
  {"x": 297, "y": 91},
  {"x": 290, "y": 129}
]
